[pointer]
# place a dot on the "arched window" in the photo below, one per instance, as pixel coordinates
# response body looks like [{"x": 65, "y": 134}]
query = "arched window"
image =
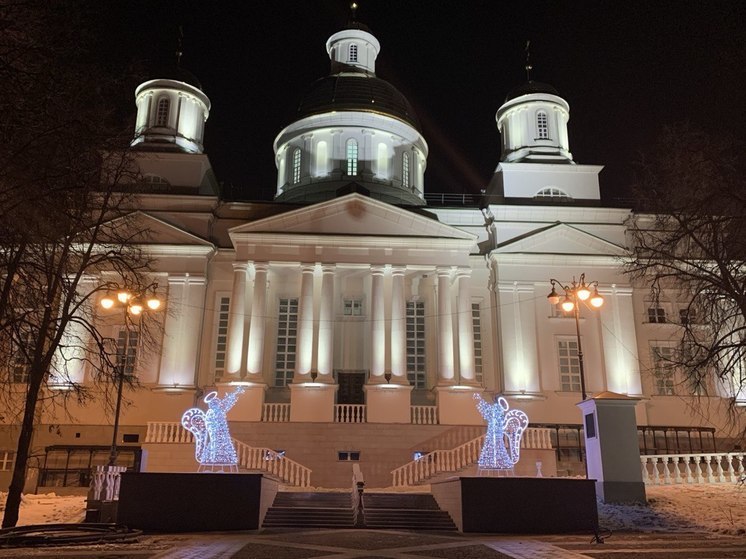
[
  {"x": 552, "y": 192},
  {"x": 542, "y": 126},
  {"x": 296, "y": 166},
  {"x": 405, "y": 170},
  {"x": 352, "y": 157},
  {"x": 352, "y": 55},
  {"x": 161, "y": 114}
]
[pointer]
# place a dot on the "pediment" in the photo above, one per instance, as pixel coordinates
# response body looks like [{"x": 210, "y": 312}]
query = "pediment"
[
  {"x": 145, "y": 229},
  {"x": 353, "y": 215},
  {"x": 560, "y": 238}
]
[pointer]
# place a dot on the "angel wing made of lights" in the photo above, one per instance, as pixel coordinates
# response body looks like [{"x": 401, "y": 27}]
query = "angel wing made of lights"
[
  {"x": 194, "y": 421},
  {"x": 515, "y": 424}
]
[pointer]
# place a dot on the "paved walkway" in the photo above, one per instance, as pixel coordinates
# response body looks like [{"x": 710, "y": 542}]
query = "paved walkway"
[{"x": 380, "y": 544}]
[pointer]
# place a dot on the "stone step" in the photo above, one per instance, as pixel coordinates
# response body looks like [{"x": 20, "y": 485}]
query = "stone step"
[{"x": 400, "y": 501}]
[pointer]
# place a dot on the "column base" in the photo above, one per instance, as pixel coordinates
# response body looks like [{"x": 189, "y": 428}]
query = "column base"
[
  {"x": 621, "y": 491},
  {"x": 388, "y": 403},
  {"x": 312, "y": 402},
  {"x": 250, "y": 403},
  {"x": 456, "y": 405}
]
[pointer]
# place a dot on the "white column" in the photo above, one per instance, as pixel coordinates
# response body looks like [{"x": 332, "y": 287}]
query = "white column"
[
  {"x": 465, "y": 328},
  {"x": 304, "y": 356},
  {"x": 377, "y": 326},
  {"x": 326, "y": 325},
  {"x": 445, "y": 328},
  {"x": 398, "y": 327},
  {"x": 619, "y": 341},
  {"x": 183, "y": 328},
  {"x": 236, "y": 320},
  {"x": 255, "y": 357},
  {"x": 70, "y": 358}
]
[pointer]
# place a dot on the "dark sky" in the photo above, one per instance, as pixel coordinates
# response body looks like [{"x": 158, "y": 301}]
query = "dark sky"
[{"x": 626, "y": 68}]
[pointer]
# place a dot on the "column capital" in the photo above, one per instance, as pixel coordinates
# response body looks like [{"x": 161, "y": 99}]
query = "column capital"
[
  {"x": 328, "y": 268},
  {"x": 240, "y": 266},
  {"x": 444, "y": 271},
  {"x": 377, "y": 270},
  {"x": 261, "y": 266},
  {"x": 398, "y": 270},
  {"x": 307, "y": 267},
  {"x": 463, "y": 273}
]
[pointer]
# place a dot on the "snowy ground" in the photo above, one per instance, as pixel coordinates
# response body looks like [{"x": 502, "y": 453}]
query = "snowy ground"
[{"x": 719, "y": 508}]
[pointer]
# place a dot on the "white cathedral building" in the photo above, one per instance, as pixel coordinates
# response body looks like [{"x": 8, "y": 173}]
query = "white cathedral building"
[{"x": 361, "y": 320}]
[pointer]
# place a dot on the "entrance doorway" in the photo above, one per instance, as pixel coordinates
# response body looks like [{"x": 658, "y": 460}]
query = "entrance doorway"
[{"x": 351, "y": 387}]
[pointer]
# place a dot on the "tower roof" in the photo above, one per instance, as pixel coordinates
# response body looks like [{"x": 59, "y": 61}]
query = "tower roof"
[
  {"x": 356, "y": 92},
  {"x": 179, "y": 74},
  {"x": 530, "y": 87}
]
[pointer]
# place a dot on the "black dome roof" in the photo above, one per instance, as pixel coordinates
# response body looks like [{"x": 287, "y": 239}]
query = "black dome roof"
[
  {"x": 340, "y": 92},
  {"x": 179, "y": 74},
  {"x": 530, "y": 87}
]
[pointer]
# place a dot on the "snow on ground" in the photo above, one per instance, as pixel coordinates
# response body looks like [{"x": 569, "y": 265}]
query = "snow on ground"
[
  {"x": 48, "y": 509},
  {"x": 717, "y": 508}
]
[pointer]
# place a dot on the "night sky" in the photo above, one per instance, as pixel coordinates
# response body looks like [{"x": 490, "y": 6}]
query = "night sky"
[{"x": 626, "y": 68}]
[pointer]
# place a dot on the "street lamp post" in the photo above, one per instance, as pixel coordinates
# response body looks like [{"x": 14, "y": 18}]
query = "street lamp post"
[
  {"x": 131, "y": 305},
  {"x": 574, "y": 294}
]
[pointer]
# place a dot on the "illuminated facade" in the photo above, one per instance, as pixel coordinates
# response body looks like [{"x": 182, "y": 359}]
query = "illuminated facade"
[{"x": 359, "y": 320}]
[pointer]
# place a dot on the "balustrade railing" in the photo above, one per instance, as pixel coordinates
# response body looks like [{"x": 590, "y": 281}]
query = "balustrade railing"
[
  {"x": 276, "y": 413},
  {"x": 349, "y": 413},
  {"x": 711, "y": 467},
  {"x": 455, "y": 459},
  {"x": 424, "y": 415},
  {"x": 249, "y": 457}
]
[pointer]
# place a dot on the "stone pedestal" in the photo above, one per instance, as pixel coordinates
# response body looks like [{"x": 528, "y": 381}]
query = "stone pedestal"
[
  {"x": 456, "y": 405},
  {"x": 249, "y": 404},
  {"x": 312, "y": 402},
  {"x": 388, "y": 403},
  {"x": 612, "y": 449}
]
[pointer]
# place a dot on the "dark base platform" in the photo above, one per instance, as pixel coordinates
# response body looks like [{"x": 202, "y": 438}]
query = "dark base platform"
[
  {"x": 516, "y": 505},
  {"x": 166, "y": 502}
]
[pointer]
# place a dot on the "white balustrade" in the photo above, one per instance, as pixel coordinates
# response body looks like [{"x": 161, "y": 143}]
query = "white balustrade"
[
  {"x": 105, "y": 482},
  {"x": 455, "y": 459},
  {"x": 249, "y": 457},
  {"x": 711, "y": 467},
  {"x": 349, "y": 413},
  {"x": 424, "y": 415},
  {"x": 276, "y": 413}
]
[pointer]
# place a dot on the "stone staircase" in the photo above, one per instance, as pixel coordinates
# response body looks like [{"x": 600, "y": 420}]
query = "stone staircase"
[
  {"x": 405, "y": 511},
  {"x": 310, "y": 510},
  {"x": 394, "y": 511}
]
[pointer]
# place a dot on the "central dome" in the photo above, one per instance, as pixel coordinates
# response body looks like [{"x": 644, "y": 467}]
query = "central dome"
[{"x": 356, "y": 92}]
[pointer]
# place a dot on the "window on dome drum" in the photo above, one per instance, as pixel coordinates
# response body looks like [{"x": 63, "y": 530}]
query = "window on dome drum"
[
  {"x": 405, "y": 170},
  {"x": 221, "y": 335},
  {"x": 352, "y": 54},
  {"x": 351, "y": 158},
  {"x": 553, "y": 192},
  {"x": 542, "y": 126},
  {"x": 657, "y": 314},
  {"x": 416, "y": 344},
  {"x": 287, "y": 337},
  {"x": 353, "y": 307},
  {"x": 477, "y": 326},
  {"x": 161, "y": 114},
  {"x": 661, "y": 357},
  {"x": 569, "y": 365},
  {"x": 129, "y": 361},
  {"x": 296, "y": 165}
]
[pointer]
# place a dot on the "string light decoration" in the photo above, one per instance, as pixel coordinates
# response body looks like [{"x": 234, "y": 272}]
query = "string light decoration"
[
  {"x": 502, "y": 425},
  {"x": 213, "y": 446}
]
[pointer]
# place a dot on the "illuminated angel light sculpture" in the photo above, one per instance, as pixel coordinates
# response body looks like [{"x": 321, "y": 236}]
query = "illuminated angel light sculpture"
[
  {"x": 502, "y": 425},
  {"x": 212, "y": 439}
]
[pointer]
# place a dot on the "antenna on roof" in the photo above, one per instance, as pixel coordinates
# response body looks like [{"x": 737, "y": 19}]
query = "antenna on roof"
[
  {"x": 179, "y": 50},
  {"x": 353, "y": 11},
  {"x": 528, "y": 61}
]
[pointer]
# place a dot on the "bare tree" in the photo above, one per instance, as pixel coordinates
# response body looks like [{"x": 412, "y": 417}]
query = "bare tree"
[
  {"x": 689, "y": 243},
  {"x": 66, "y": 231}
]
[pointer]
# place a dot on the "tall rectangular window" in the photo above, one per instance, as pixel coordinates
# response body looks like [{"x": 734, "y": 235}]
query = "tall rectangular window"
[
  {"x": 569, "y": 365},
  {"x": 405, "y": 170},
  {"x": 477, "y": 325},
  {"x": 287, "y": 337},
  {"x": 127, "y": 349},
  {"x": 221, "y": 335},
  {"x": 352, "y": 53},
  {"x": 296, "y": 165},
  {"x": 661, "y": 357},
  {"x": 353, "y": 307},
  {"x": 161, "y": 115},
  {"x": 542, "y": 126},
  {"x": 416, "y": 343},
  {"x": 352, "y": 157}
]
